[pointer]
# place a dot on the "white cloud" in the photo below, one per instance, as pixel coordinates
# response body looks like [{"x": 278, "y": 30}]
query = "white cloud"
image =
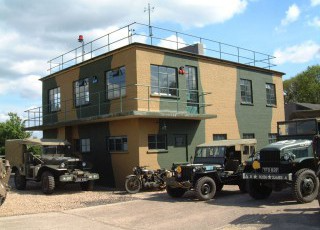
[
  {"x": 27, "y": 87},
  {"x": 315, "y": 22},
  {"x": 300, "y": 53},
  {"x": 171, "y": 42},
  {"x": 315, "y": 2},
  {"x": 292, "y": 14}
]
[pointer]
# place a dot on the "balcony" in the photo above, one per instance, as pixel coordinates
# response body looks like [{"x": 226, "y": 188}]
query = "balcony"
[
  {"x": 156, "y": 36},
  {"x": 135, "y": 101}
]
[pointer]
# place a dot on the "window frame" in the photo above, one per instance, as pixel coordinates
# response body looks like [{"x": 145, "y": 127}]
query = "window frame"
[
  {"x": 86, "y": 91},
  {"x": 121, "y": 84},
  {"x": 56, "y": 101},
  {"x": 271, "y": 93},
  {"x": 224, "y": 135},
  {"x": 246, "y": 136},
  {"x": 124, "y": 147},
  {"x": 246, "y": 95},
  {"x": 272, "y": 137},
  {"x": 157, "y": 143},
  {"x": 171, "y": 91},
  {"x": 85, "y": 146}
]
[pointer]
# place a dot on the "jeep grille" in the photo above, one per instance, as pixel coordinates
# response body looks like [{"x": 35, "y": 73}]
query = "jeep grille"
[{"x": 186, "y": 173}]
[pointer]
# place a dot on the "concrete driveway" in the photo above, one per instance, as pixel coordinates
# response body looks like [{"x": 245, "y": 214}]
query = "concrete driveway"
[{"x": 155, "y": 210}]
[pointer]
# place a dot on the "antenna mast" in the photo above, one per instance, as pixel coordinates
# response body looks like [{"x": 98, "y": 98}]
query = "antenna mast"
[{"x": 149, "y": 9}]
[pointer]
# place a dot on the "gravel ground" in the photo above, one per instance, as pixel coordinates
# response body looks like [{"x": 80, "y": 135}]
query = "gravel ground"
[{"x": 32, "y": 200}]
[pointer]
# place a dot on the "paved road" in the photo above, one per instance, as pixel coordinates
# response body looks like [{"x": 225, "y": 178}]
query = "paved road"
[{"x": 230, "y": 210}]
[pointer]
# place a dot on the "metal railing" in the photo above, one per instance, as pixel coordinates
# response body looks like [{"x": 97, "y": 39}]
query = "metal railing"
[
  {"x": 137, "y": 97},
  {"x": 138, "y": 32}
]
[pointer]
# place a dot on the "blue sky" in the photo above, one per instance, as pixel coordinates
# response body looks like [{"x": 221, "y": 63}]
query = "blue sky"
[{"x": 35, "y": 31}]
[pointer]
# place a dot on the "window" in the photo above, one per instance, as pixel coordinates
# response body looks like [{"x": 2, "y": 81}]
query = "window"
[
  {"x": 163, "y": 81},
  {"x": 81, "y": 92},
  {"x": 246, "y": 91},
  {"x": 116, "y": 83},
  {"x": 248, "y": 136},
  {"x": 271, "y": 94},
  {"x": 157, "y": 141},
  {"x": 272, "y": 137},
  {"x": 84, "y": 145},
  {"x": 54, "y": 99},
  {"x": 117, "y": 144},
  {"x": 219, "y": 137}
]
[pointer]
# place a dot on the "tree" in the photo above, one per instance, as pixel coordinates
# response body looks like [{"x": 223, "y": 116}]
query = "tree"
[
  {"x": 12, "y": 129},
  {"x": 304, "y": 87}
]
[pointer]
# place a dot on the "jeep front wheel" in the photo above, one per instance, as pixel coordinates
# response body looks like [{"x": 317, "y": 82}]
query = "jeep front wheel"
[
  {"x": 258, "y": 190},
  {"x": 175, "y": 192},
  {"x": 205, "y": 188},
  {"x": 19, "y": 180},
  {"x": 47, "y": 182},
  {"x": 305, "y": 186}
]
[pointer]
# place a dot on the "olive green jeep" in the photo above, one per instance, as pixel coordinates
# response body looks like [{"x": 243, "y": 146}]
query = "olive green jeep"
[
  {"x": 215, "y": 164},
  {"x": 54, "y": 166}
]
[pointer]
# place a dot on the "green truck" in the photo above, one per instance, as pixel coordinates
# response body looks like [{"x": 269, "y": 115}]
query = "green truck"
[
  {"x": 55, "y": 165},
  {"x": 293, "y": 162}
]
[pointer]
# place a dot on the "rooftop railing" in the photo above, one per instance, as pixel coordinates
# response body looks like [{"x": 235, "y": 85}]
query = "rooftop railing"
[
  {"x": 156, "y": 36},
  {"x": 136, "y": 97}
]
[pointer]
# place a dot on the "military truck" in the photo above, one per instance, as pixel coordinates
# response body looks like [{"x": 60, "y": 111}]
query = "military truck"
[
  {"x": 291, "y": 162},
  {"x": 5, "y": 172},
  {"x": 54, "y": 166},
  {"x": 215, "y": 164}
]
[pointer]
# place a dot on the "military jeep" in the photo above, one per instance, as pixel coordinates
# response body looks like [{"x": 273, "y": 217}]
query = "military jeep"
[
  {"x": 54, "y": 166},
  {"x": 215, "y": 164},
  {"x": 287, "y": 163}
]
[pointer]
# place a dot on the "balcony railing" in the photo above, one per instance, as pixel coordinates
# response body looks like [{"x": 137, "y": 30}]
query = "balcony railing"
[
  {"x": 137, "y": 32},
  {"x": 137, "y": 97}
]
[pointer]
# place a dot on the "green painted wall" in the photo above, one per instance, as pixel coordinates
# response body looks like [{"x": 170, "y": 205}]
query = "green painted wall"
[{"x": 254, "y": 118}]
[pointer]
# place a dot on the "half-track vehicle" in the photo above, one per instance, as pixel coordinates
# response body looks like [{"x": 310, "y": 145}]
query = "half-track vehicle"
[
  {"x": 215, "y": 164},
  {"x": 5, "y": 172},
  {"x": 291, "y": 162},
  {"x": 54, "y": 166}
]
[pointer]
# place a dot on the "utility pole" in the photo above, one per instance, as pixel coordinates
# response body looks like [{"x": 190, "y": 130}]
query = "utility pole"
[{"x": 149, "y": 9}]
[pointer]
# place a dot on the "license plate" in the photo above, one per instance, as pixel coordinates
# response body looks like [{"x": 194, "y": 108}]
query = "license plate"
[
  {"x": 260, "y": 176},
  {"x": 81, "y": 179},
  {"x": 270, "y": 169}
]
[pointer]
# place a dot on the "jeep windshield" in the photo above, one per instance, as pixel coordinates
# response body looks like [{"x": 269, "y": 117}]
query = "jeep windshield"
[
  {"x": 210, "y": 155},
  {"x": 63, "y": 150}
]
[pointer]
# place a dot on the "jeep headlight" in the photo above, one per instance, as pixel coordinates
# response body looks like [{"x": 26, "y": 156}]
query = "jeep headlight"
[
  {"x": 62, "y": 165},
  {"x": 84, "y": 164},
  {"x": 257, "y": 157},
  {"x": 178, "y": 169},
  {"x": 286, "y": 157}
]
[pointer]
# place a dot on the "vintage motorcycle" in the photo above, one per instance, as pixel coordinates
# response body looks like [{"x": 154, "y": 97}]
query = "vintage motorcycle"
[{"x": 144, "y": 178}]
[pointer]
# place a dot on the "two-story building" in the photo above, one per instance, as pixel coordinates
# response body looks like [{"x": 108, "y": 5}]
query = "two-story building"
[{"x": 147, "y": 105}]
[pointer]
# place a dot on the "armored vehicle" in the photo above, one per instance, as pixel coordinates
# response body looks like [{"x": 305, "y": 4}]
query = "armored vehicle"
[
  {"x": 55, "y": 165},
  {"x": 289, "y": 162},
  {"x": 5, "y": 172},
  {"x": 215, "y": 164}
]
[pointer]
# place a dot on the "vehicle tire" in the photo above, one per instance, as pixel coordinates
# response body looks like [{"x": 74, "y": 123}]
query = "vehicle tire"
[
  {"x": 219, "y": 187},
  {"x": 258, "y": 190},
  {"x": 243, "y": 186},
  {"x": 305, "y": 186},
  {"x": 175, "y": 192},
  {"x": 47, "y": 182},
  {"x": 87, "y": 186},
  {"x": 19, "y": 181},
  {"x": 133, "y": 184},
  {"x": 205, "y": 188}
]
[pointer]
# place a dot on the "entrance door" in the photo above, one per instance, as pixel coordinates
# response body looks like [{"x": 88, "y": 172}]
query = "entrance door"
[{"x": 192, "y": 90}]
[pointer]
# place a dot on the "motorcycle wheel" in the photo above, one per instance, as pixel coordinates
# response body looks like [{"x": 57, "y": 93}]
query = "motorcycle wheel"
[{"x": 133, "y": 184}]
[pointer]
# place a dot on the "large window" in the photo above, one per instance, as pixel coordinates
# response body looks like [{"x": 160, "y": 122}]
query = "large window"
[
  {"x": 246, "y": 91},
  {"x": 271, "y": 94},
  {"x": 81, "y": 92},
  {"x": 157, "y": 141},
  {"x": 117, "y": 144},
  {"x": 163, "y": 81},
  {"x": 116, "y": 83},
  {"x": 54, "y": 99}
]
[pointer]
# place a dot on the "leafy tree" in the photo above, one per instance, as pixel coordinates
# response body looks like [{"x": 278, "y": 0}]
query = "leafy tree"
[
  {"x": 304, "y": 87},
  {"x": 12, "y": 129}
]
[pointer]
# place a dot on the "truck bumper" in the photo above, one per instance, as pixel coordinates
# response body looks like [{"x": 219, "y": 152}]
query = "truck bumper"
[
  {"x": 266, "y": 176},
  {"x": 171, "y": 181},
  {"x": 78, "y": 178}
]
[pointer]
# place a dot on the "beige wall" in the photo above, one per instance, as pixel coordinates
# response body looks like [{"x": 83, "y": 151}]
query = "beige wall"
[{"x": 278, "y": 112}]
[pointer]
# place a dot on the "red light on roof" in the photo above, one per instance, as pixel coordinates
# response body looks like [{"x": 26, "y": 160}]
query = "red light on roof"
[{"x": 80, "y": 38}]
